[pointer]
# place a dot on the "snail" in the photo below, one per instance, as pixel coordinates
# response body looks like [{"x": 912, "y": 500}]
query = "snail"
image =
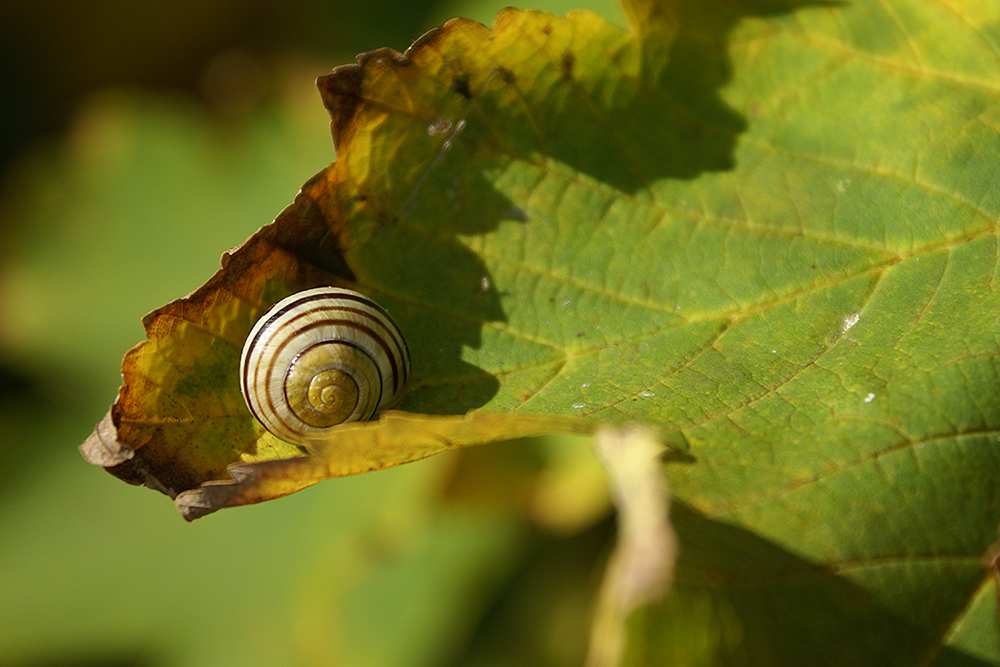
[{"x": 319, "y": 358}]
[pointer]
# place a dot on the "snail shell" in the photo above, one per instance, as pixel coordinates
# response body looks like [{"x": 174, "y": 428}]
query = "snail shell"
[{"x": 319, "y": 358}]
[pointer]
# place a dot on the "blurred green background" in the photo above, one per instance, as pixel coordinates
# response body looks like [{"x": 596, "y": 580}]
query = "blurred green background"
[{"x": 137, "y": 142}]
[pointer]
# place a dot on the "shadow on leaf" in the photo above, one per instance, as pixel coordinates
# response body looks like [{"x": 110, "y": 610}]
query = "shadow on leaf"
[
  {"x": 739, "y": 599},
  {"x": 468, "y": 135}
]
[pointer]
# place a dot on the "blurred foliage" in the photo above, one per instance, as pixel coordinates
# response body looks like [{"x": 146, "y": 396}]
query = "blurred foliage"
[
  {"x": 148, "y": 138},
  {"x": 55, "y": 51},
  {"x": 167, "y": 158}
]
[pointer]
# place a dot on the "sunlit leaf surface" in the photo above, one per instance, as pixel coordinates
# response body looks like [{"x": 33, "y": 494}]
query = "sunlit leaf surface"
[{"x": 775, "y": 242}]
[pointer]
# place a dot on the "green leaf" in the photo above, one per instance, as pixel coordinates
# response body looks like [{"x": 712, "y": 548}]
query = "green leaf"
[
  {"x": 778, "y": 247},
  {"x": 129, "y": 209}
]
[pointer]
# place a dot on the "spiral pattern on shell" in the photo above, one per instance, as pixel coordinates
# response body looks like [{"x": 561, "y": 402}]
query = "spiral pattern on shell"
[{"x": 319, "y": 358}]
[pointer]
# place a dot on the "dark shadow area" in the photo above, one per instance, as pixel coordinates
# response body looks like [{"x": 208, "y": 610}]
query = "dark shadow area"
[
  {"x": 751, "y": 602},
  {"x": 670, "y": 124},
  {"x": 94, "y": 660},
  {"x": 738, "y": 600},
  {"x": 54, "y": 54},
  {"x": 23, "y": 403},
  {"x": 542, "y": 616},
  {"x": 455, "y": 128},
  {"x": 17, "y": 386},
  {"x": 679, "y": 127},
  {"x": 36, "y": 401}
]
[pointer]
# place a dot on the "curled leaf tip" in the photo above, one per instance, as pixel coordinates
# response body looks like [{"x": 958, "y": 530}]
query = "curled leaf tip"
[
  {"x": 250, "y": 483},
  {"x": 359, "y": 447},
  {"x": 102, "y": 447}
]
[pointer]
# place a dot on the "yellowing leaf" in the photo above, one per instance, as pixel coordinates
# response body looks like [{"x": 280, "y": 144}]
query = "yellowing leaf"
[
  {"x": 395, "y": 439},
  {"x": 772, "y": 239},
  {"x": 179, "y": 421}
]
